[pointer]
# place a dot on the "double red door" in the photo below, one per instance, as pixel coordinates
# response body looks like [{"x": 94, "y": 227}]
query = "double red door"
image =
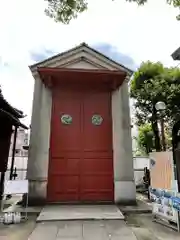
[{"x": 81, "y": 158}]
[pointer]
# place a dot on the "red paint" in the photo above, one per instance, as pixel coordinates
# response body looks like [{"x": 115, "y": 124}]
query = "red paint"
[
  {"x": 81, "y": 159},
  {"x": 56, "y": 76}
]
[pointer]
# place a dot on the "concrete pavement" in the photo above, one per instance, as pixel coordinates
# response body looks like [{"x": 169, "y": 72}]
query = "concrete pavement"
[
  {"x": 145, "y": 228},
  {"x": 18, "y": 231},
  {"x": 83, "y": 230},
  {"x": 136, "y": 227}
]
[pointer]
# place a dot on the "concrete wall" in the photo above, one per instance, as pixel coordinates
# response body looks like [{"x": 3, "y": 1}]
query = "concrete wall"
[
  {"x": 82, "y": 64},
  {"x": 21, "y": 155},
  {"x": 122, "y": 146},
  {"x": 139, "y": 164},
  {"x": 37, "y": 171}
]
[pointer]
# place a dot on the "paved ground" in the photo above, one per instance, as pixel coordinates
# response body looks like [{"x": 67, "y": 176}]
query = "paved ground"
[
  {"x": 143, "y": 205},
  {"x": 80, "y": 212},
  {"x": 145, "y": 228},
  {"x": 18, "y": 231},
  {"x": 83, "y": 230},
  {"x": 136, "y": 227}
]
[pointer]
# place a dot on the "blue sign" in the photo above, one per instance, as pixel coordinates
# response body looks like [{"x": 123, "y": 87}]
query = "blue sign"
[
  {"x": 159, "y": 195},
  {"x": 176, "y": 203}
]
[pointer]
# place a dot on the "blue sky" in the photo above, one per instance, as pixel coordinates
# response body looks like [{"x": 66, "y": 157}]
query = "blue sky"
[{"x": 125, "y": 32}]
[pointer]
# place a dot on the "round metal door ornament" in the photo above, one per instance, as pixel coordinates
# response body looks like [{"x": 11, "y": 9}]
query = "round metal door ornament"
[
  {"x": 97, "y": 120},
  {"x": 66, "y": 119}
]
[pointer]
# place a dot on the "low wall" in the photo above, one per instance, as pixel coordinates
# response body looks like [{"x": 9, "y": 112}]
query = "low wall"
[{"x": 139, "y": 164}]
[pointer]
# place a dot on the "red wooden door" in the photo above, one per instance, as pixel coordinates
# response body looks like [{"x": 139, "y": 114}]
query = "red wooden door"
[
  {"x": 97, "y": 163},
  {"x": 81, "y": 161}
]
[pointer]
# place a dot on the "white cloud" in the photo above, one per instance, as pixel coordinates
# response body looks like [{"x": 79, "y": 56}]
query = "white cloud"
[{"x": 144, "y": 33}]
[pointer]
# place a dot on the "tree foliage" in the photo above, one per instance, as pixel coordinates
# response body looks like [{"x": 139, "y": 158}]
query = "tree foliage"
[
  {"x": 150, "y": 84},
  {"x": 145, "y": 138},
  {"x": 65, "y": 10},
  {"x": 146, "y": 141}
]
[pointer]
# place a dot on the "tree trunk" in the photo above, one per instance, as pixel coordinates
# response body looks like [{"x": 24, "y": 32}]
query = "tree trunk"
[
  {"x": 156, "y": 130},
  {"x": 163, "y": 135}
]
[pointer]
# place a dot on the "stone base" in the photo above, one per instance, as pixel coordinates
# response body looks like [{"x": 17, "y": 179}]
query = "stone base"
[
  {"x": 36, "y": 202},
  {"x": 37, "y": 193},
  {"x": 127, "y": 203},
  {"x": 125, "y": 192}
]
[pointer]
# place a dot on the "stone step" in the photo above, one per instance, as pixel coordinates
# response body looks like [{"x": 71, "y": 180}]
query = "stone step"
[{"x": 80, "y": 212}]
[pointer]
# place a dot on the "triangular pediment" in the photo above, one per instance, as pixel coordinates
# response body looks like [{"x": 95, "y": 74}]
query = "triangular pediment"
[{"x": 81, "y": 57}]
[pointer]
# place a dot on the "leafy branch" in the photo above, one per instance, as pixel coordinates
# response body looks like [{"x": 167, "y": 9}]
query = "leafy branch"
[{"x": 66, "y": 10}]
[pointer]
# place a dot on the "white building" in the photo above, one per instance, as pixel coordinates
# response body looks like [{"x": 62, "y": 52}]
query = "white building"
[{"x": 21, "y": 155}]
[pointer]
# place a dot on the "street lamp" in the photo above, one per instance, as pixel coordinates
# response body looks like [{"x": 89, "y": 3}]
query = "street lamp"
[{"x": 161, "y": 106}]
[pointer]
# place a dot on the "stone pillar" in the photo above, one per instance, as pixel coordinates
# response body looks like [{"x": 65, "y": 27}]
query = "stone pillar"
[
  {"x": 37, "y": 172},
  {"x": 124, "y": 186}
]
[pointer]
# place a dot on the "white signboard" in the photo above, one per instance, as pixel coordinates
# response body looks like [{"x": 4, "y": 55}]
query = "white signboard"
[{"x": 16, "y": 187}]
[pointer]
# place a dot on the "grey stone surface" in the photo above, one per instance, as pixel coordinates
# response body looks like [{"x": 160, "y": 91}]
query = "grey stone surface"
[
  {"x": 94, "y": 230},
  {"x": 70, "y": 229},
  {"x": 83, "y": 230},
  {"x": 75, "y": 212},
  {"x": 118, "y": 228},
  {"x": 18, "y": 231},
  {"x": 144, "y": 233},
  {"x": 145, "y": 229},
  {"x": 45, "y": 232}
]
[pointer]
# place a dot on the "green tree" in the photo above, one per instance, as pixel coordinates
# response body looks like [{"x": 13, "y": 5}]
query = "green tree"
[
  {"x": 65, "y": 10},
  {"x": 150, "y": 84},
  {"x": 145, "y": 138}
]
